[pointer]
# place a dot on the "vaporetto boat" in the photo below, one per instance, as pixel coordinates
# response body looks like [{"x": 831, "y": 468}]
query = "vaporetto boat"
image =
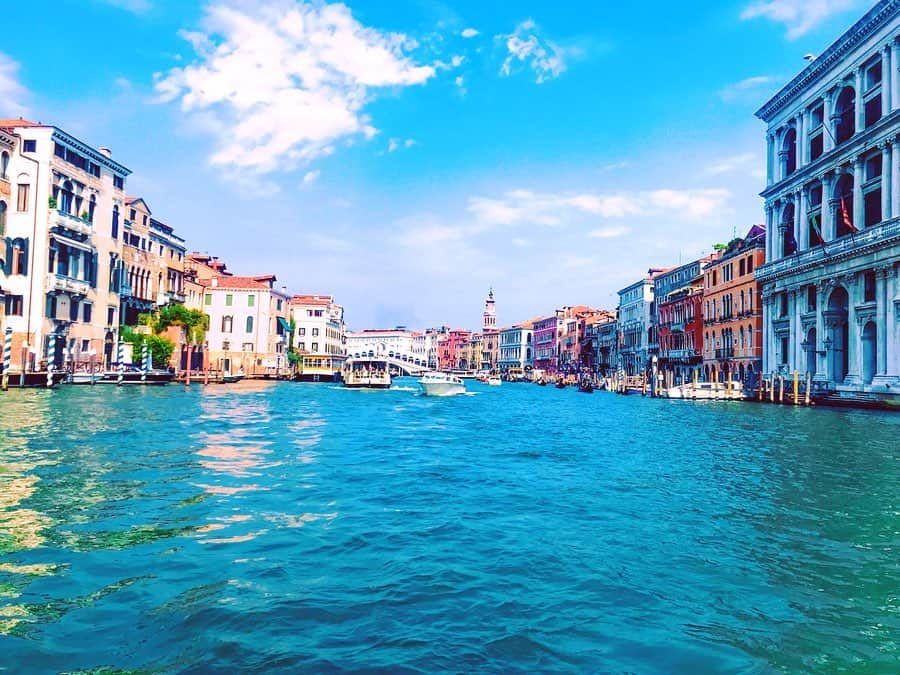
[{"x": 442, "y": 384}]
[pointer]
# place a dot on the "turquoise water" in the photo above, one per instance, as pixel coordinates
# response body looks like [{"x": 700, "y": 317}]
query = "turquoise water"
[{"x": 286, "y": 527}]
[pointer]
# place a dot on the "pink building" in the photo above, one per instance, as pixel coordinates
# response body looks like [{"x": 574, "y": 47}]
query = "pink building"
[
  {"x": 449, "y": 346},
  {"x": 545, "y": 343}
]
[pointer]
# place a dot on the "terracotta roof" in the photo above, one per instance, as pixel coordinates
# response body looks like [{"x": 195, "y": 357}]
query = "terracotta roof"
[
  {"x": 236, "y": 283},
  {"x": 13, "y": 123},
  {"x": 318, "y": 300}
]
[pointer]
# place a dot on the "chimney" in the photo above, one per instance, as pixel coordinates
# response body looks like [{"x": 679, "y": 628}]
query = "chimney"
[
  {"x": 215, "y": 282},
  {"x": 106, "y": 152}
]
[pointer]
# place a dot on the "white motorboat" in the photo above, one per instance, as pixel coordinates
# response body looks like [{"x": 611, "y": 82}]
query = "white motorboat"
[
  {"x": 494, "y": 381},
  {"x": 442, "y": 384},
  {"x": 708, "y": 391}
]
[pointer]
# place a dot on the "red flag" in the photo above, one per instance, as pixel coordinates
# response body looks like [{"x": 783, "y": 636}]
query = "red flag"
[{"x": 845, "y": 216}]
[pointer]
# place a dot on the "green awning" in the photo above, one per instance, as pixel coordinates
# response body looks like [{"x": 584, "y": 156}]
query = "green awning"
[{"x": 285, "y": 326}]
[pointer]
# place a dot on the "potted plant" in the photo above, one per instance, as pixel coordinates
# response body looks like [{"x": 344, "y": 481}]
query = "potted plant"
[{"x": 51, "y": 203}]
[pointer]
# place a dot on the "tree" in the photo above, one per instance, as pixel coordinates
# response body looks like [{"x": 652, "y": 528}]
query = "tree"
[{"x": 159, "y": 346}]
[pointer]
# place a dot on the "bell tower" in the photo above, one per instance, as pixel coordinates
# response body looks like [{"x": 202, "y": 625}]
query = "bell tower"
[{"x": 490, "y": 314}]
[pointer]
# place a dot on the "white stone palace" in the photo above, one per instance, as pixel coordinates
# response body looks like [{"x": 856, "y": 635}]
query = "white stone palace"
[{"x": 829, "y": 285}]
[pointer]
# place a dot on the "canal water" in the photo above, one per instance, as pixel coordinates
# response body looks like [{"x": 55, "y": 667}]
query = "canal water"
[{"x": 288, "y": 527}]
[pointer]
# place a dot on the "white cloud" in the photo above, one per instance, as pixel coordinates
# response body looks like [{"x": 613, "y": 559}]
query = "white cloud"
[
  {"x": 525, "y": 207},
  {"x": 135, "y": 6},
  {"x": 281, "y": 84},
  {"x": 12, "y": 92},
  {"x": 469, "y": 33},
  {"x": 800, "y": 16},
  {"x": 524, "y": 45},
  {"x": 690, "y": 204},
  {"x": 731, "y": 164},
  {"x": 398, "y": 143},
  {"x": 746, "y": 88},
  {"x": 311, "y": 176},
  {"x": 609, "y": 232},
  {"x": 456, "y": 60},
  {"x": 461, "y": 84}
]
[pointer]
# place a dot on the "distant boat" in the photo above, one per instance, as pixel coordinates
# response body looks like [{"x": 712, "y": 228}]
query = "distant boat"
[
  {"x": 494, "y": 381},
  {"x": 442, "y": 384},
  {"x": 709, "y": 391},
  {"x": 586, "y": 386},
  {"x": 131, "y": 374}
]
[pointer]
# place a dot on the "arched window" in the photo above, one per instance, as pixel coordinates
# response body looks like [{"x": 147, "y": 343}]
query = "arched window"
[
  {"x": 789, "y": 242},
  {"x": 4, "y": 164},
  {"x": 92, "y": 204},
  {"x": 2, "y": 217},
  {"x": 226, "y": 324},
  {"x": 67, "y": 198},
  {"x": 845, "y": 114},
  {"x": 18, "y": 258},
  {"x": 789, "y": 151},
  {"x": 843, "y": 196},
  {"x": 249, "y": 324},
  {"x": 115, "y": 222}
]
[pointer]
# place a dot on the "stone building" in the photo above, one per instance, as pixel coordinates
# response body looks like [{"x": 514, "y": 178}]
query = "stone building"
[
  {"x": 62, "y": 245},
  {"x": 636, "y": 323},
  {"x": 829, "y": 284},
  {"x": 318, "y": 325},
  {"x": 732, "y": 311}
]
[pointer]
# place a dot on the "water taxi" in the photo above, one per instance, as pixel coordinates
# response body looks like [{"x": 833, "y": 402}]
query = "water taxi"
[
  {"x": 442, "y": 384},
  {"x": 494, "y": 381},
  {"x": 708, "y": 391},
  {"x": 366, "y": 374},
  {"x": 320, "y": 367}
]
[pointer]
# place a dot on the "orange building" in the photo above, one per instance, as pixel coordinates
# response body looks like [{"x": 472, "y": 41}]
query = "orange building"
[{"x": 732, "y": 310}]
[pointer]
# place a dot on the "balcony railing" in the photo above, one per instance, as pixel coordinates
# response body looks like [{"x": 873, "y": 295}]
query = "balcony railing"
[
  {"x": 871, "y": 235},
  {"x": 680, "y": 354},
  {"x": 58, "y": 282},
  {"x": 71, "y": 222}
]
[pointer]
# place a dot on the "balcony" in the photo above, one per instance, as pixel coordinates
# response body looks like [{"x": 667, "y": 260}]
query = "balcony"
[
  {"x": 70, "y": 222},
  {"x": 843, "y": 246},
  {"x": 725, "y": 353},
  {"x": 63, "y": 284},
  {"x": 170, "y": 297}
]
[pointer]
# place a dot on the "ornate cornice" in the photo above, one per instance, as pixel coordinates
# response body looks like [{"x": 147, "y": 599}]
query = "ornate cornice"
[{"x": 875, "y": 18}]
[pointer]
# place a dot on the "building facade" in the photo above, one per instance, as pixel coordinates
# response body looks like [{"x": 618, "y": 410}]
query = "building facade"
[
  {"x": 829, "y": 284},
  {"x": 635, "y": 324},
  {"x": 516, "y": 347},
  {"x": 545, "y": 336},
  {"x": 395, "y": 343},
  {"x": 318, "y": 325},
  {"x": 732, "y": 311},
  {"x": 62, "y": 246}
]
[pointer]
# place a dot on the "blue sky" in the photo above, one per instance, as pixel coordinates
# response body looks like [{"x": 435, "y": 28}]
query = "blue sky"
[{"x": 407, "y": 155}]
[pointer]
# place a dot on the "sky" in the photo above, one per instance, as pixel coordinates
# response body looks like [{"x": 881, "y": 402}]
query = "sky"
[{"x": 407, "y": 156}]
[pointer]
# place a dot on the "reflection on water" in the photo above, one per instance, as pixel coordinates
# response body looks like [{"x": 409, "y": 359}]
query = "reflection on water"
[{"x": 287, "y": 527}]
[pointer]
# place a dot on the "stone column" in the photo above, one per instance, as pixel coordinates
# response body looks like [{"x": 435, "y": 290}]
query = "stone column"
[
  {"x": 895, "y": 177},
  {"x": 770, "y": 161},
  {"x": 890, "y": 283},
  {"x": 803, "y": 223},
  {"x": 828, "y": 134},
  {"x": 881, "y": 322},
  {"x": 766, "y": 302},
  {"x": 858, "y": 100},
  {"x": 822, "y": 373},
  {"x": 831, "y": 232},
  {"x": 886, "y": 179},
  {"x": 894, "y": 77},
  {"x": 853, "y": 333},
  {"x": 887, "y": 68},
  {"x": 770, "y": 231},
  {"x": 858, "y": 203}
]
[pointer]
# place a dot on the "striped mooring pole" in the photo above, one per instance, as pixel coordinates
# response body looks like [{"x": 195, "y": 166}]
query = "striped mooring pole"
[
  {"x": 145, "y": 360},
  {"x": 51, "y": 358},
  {"x": 120, "y": 356},
  {"x": 7, "y": 356}
]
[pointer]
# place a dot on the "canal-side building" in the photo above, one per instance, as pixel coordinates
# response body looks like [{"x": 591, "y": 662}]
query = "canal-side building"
[
  {"x": 248, "y": 324},
  {"x": 545, "y": 336},
  {"x": 607, "y": 345},
  {"x": 139, "y": 288},
  {"x": 516, "y": 347},
  {"x": 449, "y": 347},
  {"x": 393, "y": 342},
  {"x": 678, "y": 295},
  {"x": 170, "y": 250},
  {"x": 636, "y": 323},
  {"x": 732, "y": 310},
  {"x": 829, "y": 284},
  {"x": 62, "y": 245},
  {"x": 490, "y": 336},
  {"x": 7, "y": 148},
  {"x": 318, "y": 325}
]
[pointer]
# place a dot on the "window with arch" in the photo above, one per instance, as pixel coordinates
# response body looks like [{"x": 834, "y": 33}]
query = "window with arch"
[
  {"x": 814, "y": 215},
  {"x": 2, "y": 217},
  {"x": 115, "y": 222},
  {"x": 17, "y": 254},
  {"x": 66, "y": 198},
  {"x": 789, "y": 148},
  {"x": 92, "y": 206},
  {"x": 843, "y": 193},
  {"x": 4, "y": 165},
  {"x": 845, "y": 114},
  {"x": 226, "y": 324},
  {"x": 22, "y": 197},
  {"x": 249, "y": 328},
  {"x": 816, "y": 133}
]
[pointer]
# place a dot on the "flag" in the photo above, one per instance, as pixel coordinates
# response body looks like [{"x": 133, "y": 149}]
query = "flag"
[
  {"x": 814, "y": 221},
  {"x": 847, "y": 220},
  {"x": 790, "y": 242}
]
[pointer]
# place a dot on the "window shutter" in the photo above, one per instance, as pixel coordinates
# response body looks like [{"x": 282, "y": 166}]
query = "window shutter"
[
  {"x": 7, "y": 261},
  {"x": 24, "y": 267}
]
